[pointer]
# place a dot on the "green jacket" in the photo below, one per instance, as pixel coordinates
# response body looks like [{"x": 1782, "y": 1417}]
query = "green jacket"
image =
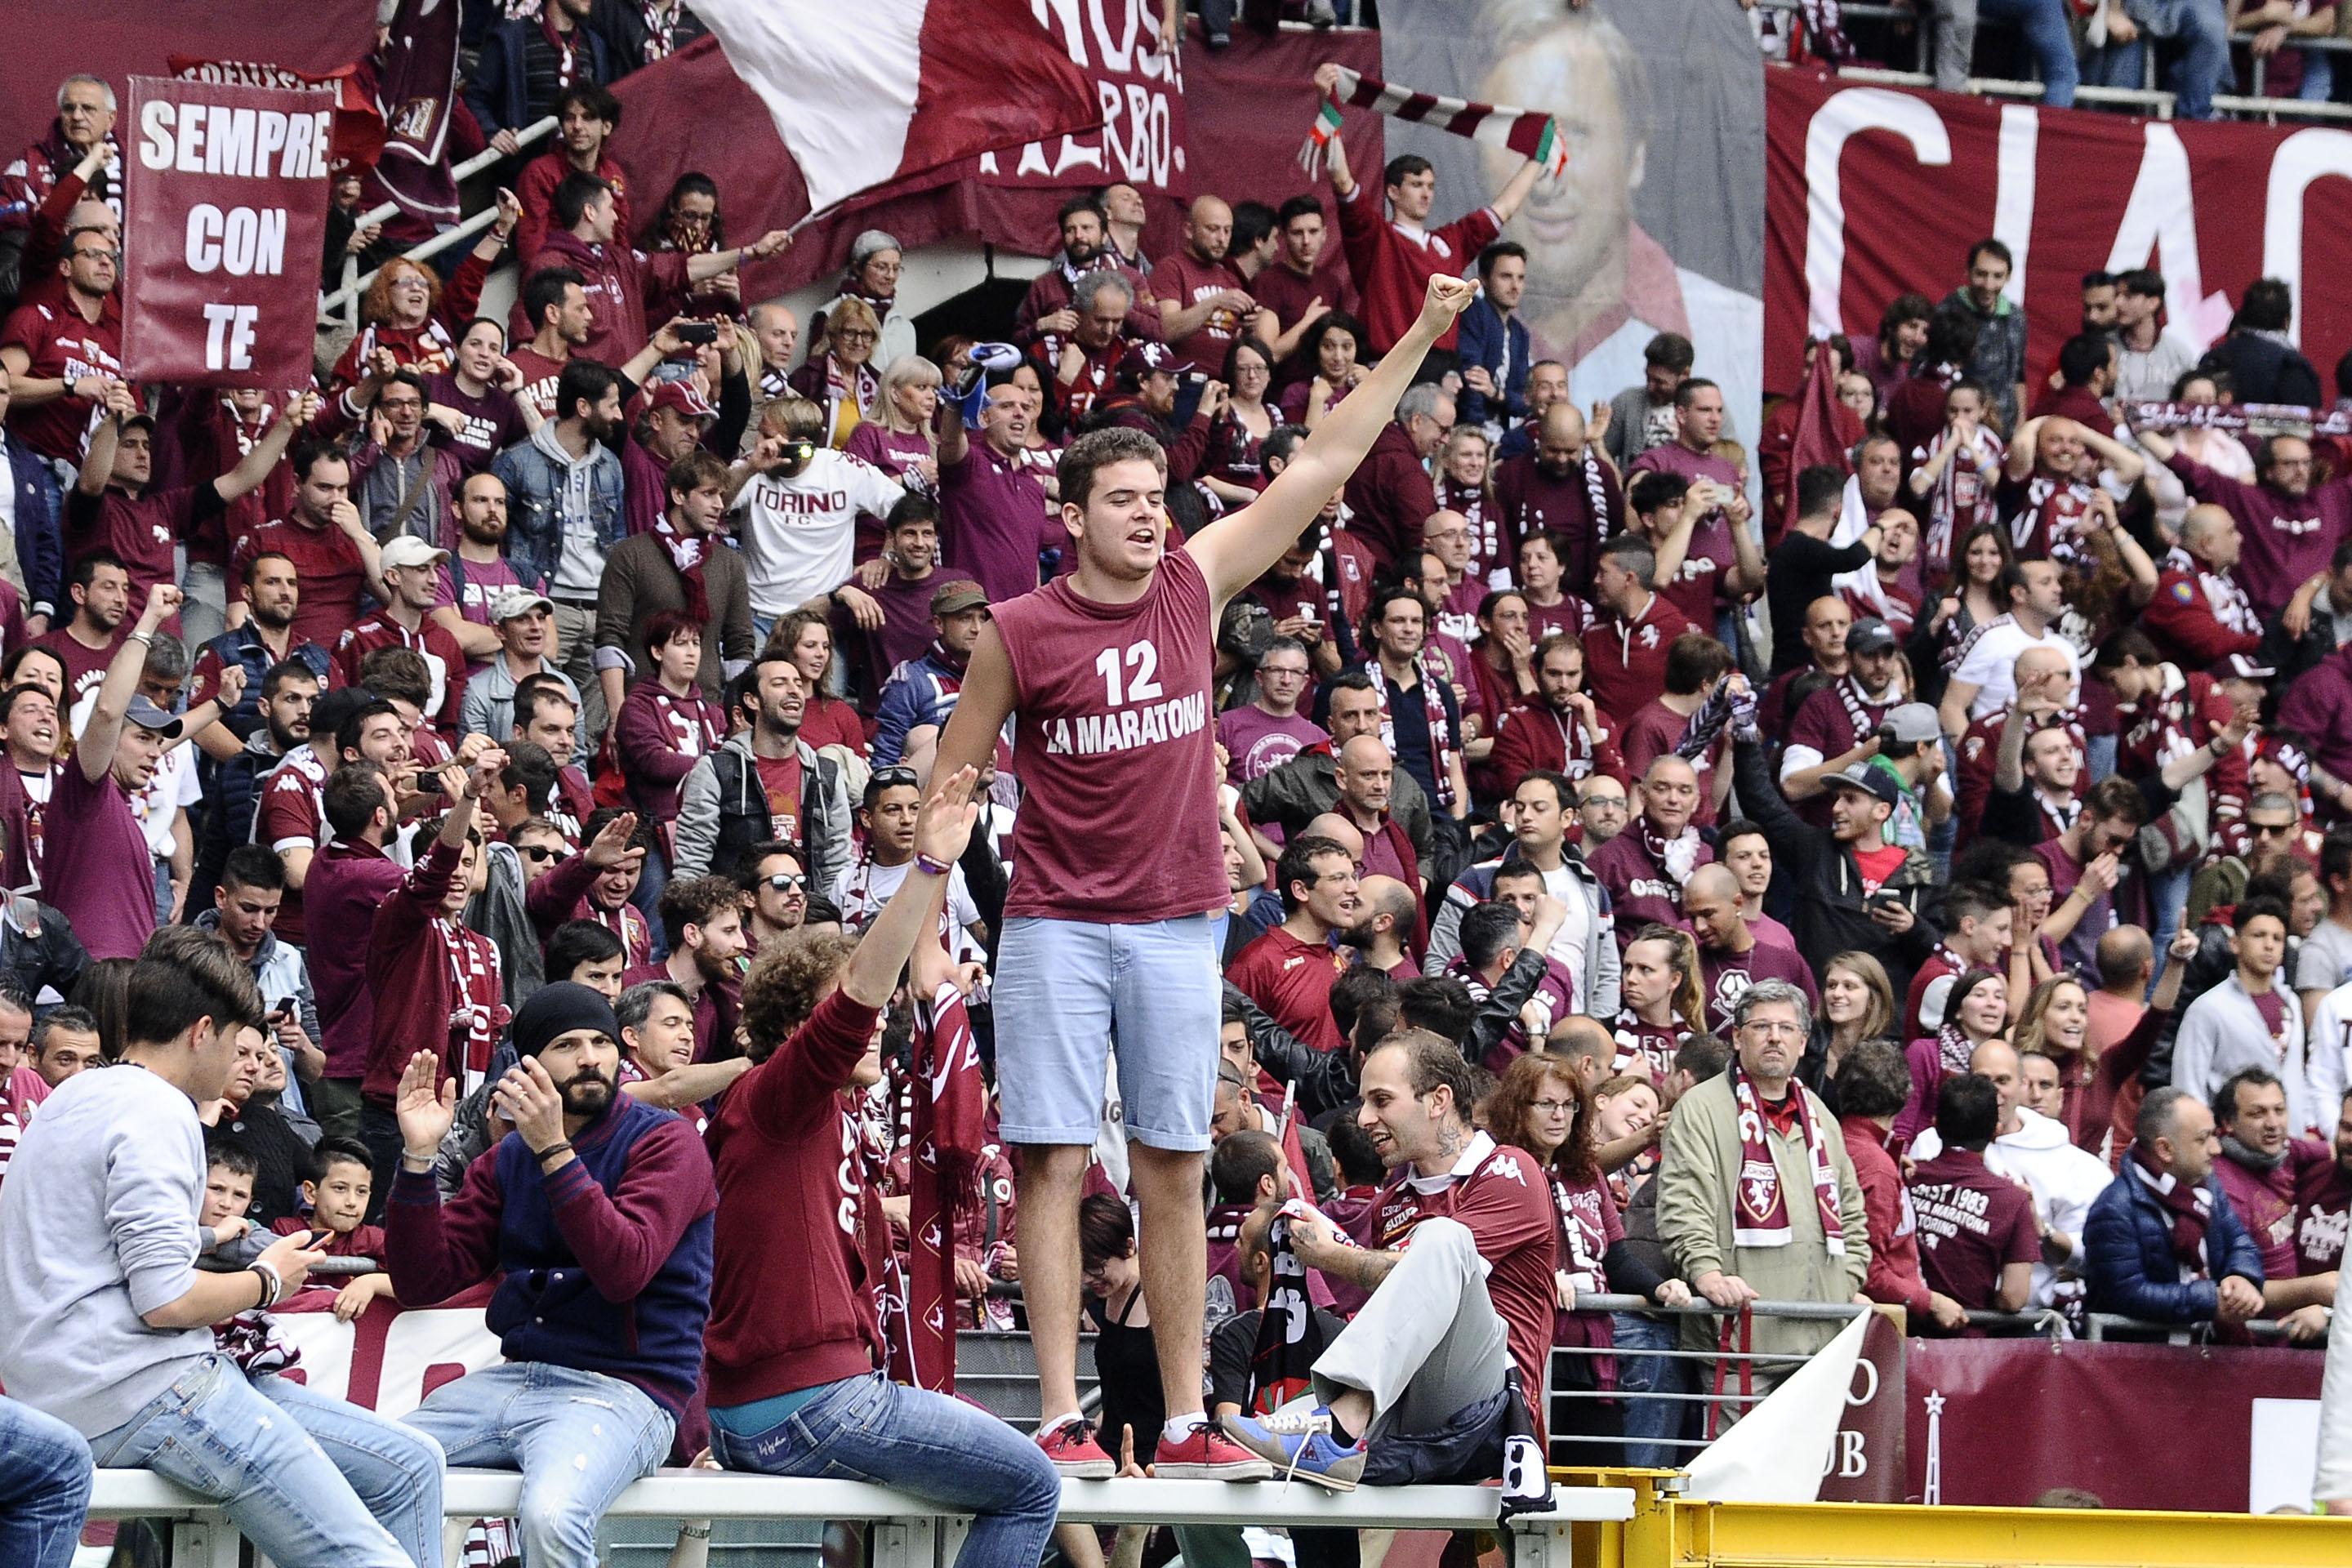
[{"x": 1697, "y": 1175}]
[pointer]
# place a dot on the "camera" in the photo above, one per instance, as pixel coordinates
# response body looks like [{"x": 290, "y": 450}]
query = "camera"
[{"x": 697, "y": 333}]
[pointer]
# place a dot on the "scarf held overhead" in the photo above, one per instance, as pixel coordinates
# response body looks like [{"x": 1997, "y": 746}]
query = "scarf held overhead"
[{"x": 1520, "y": 130}]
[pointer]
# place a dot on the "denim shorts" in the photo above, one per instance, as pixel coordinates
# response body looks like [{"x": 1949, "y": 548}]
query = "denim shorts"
[{"x": 1066, "y": 990}]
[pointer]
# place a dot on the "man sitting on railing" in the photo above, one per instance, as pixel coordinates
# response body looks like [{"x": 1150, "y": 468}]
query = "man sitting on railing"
[
  {"x": 1459, "y": 1256},
  {"x": 1756, "y": 1198},
  {"x": 2162, "y": 1243}
]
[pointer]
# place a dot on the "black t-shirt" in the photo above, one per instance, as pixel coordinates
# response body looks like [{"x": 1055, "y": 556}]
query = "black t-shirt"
[
  {"x": 1232, "y": 1346},
  {"x": 1798, "y": 572}
]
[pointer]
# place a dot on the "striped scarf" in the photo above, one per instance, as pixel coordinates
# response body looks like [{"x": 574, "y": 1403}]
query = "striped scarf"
[
  {"x": 1520, "y": 130},
  {"x": 1433, "y": 706}
]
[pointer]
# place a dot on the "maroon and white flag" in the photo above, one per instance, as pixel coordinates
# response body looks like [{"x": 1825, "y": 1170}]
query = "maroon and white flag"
[
  {"x": 225, "y": 214},
  {"x": 415, "y": 84},
  {"x": 885, "y": 91}
]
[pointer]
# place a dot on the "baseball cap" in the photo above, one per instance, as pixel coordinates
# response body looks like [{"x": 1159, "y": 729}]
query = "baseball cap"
[
  {"x": 516, "y": 602},
  {"x": 1154, "y": 359},
  {"x": 1872, "y": 782},
  {"x": 1914, "y": 723},
  {"x": 683, "y": 396},
  {"x": 958, "y": 597},
  {"x": 1871, "y": 635},
  {"x": 410, "y": 550},
  {"x": 147, "y": 716}
]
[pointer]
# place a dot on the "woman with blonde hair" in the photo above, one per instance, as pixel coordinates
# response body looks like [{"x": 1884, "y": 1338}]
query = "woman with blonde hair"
[
  {"x": 1664, "y": 1005},
  {"x": 842, "y": 379},
  {"x": 1857, "y": 1005},
  {"x": 1540, "y": 1106}
]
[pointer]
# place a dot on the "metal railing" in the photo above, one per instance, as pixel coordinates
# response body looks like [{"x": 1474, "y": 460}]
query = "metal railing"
[
  {"x": 345, "y": 300},
  {"x": 912, "y": 1533},
  {"x": 2148, "y": 96}
]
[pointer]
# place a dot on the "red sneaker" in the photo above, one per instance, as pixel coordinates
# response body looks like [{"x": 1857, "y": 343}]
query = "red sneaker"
[
  {"x": 1208, "y": 1455},
  {"x": 1075, "y": 1454}
]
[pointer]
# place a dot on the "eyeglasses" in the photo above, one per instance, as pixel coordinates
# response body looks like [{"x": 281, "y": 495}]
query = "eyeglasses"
[
  {"x": 783, "y": 881},
  {"x": 855, "y": 335},
  {"x": 1767, "y": 1028},
  {"x": 1552, "y": 1106},
  {"x": 2271, "y": 829},
  {"x": 1297, "y": 674},
  {"x": 547, "y": 852}
]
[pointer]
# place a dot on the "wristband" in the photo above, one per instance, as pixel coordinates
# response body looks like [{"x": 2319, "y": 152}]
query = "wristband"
[
  {"x": 2218, "y": 747},
  {"x": 551, "y": 1150},
  {"x": 934, "y": 868},
  {"x": 272, "y": 1286}
]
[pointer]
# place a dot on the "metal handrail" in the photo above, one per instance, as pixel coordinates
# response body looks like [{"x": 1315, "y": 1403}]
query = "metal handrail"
[
  {"x": 2039, "y": 1321},
  {"x": 347, "y": 298}
]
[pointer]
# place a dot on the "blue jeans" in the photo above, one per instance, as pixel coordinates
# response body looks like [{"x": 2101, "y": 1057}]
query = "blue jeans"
[
  {"x": 1648, "y": 1420},
  {"x": 2168, "y": 893},
  {"x": 334, "y": 1484},
  {"x": 2202, "y": 30},
  {"x": 44, "y": 1488},
  {"x": 939, "y": 1448},
  {"x": 2043, "y": 24},
  {"x": 647, "y": 900},
  {"x": 578, "y": 1437}
]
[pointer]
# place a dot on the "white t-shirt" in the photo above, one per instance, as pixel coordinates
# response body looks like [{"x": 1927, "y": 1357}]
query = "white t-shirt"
[
  {"x": 862, "y": 889},
  {"x": 1992, "y": 664},
  {"x": 1568, "y": 946},
  {"x": 798, "y": 533}
]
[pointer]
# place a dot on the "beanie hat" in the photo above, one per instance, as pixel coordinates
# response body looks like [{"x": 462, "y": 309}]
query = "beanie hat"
[{"x": 555, "y": 1010}]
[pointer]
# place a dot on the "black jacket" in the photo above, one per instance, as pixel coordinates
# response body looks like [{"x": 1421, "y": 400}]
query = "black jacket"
[
  {"x": 38, "y": 948},
  {"x": 1816, "y": 878}
]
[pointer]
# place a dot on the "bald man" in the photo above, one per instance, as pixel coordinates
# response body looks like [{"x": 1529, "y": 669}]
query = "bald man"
[
  {"x": 2041, "y": 673},
  {"x": 1340, "y": 831},
  {"x": 1564, "y": 486},
  {"x": 1387, "y": 913},
  {"x": 1445, "y": 541},
  {"x": 1203, "y": 296},
  {"x": 1366, "y": 777},
  {"x": 1646, "y": 868},
  {"x": 2200, "y": 615},
  {"x": 1731, "y": 957}
]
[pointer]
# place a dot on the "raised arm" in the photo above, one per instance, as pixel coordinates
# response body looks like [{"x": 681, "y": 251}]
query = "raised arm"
[
  {"x": 940, "y": 836},
  {"x": 254, "y": 467},
  {"x": 1235, "y": 551},
  {"x": 1512, "y": 195},
  {"x": 103, "y": 733},
  {"x": 980, "y": 710}
]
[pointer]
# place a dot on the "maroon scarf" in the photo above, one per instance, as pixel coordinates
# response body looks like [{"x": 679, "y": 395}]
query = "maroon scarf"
[
  {"x": 2190, "y": 1205},
  {"x": 950, "y": 1117},
  {"x": 1760, "y": 1212},
  {"x": 691, "y": 557},
  {"x": 567, "y": 54}
]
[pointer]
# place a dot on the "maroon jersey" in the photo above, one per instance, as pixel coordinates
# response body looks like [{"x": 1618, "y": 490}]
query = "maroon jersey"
[
  {"x": 1646, "y": 1047},
  {"x": 1625, "y": 661},
  {"x": 1292, "y": 981},
  {"x": 62, "y": 346},
  {"x": 445, "y": 661},
  {"x": 1112, "y": 705},
  {"x": 2323, "y": 1214},
  {"x": 1504, "y": 1199},
  {"x": 1187, "y": 281},
  {"x": 1972, "y": 1224}
]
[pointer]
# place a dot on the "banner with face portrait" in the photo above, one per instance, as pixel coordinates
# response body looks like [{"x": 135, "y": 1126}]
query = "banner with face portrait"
[{"x": 1658, "y": 223}]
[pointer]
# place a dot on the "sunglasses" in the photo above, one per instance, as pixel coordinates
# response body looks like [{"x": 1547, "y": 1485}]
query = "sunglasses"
[
  {"x": 783, "y": 881},
  {"x": 545, "y": 852},
  {"x": 893, "y": 776}
]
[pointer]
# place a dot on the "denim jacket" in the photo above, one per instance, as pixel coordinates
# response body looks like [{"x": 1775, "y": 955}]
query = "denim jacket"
[{"x": 537, "y": 473}]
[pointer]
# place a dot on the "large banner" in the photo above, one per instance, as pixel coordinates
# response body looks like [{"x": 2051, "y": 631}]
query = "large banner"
[
  {"x": 1657, "y": 225},
  {"x": 1876, "y": 190},
  {"x": 1141, "y": 86},
  {"x": 1996, "y": 1423},
  {"x": 225, "y": 215}
]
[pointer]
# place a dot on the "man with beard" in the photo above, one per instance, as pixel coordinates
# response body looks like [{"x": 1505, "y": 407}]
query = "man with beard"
[
  {"x": 326, "y": 539},
  {"x": 402, "y": 482},
  {"x": 683, "y": 566},
  {"x": 1205, "y": 302},
  {"x": 764, "y": 784},
  {"x": 99, "y": 589},
  {"x": 922, "y": 693},
  {"x": 1887, "y": 588},
  {"x": 272, "y": 591},
  {"x": 1289, "y": 970},
  {"x": 1387, "y": 913},
  {"x": 555, "y": 310},
  {"x": 1565, "y": 486},
  {"x": 1494, "y": 342},
  {"x": 1306, "y": 280},
  {"x": 775, "y": 895},
  {"x": 2263, "y": 1166},
  {"x": 593, "y": 1187},
  {"x": 1560, "y": 730},
  {"x": 1050, "y": 308},
  {"x": 2289, "y": 526},
  {"x": 702, "y": 922},
  {"x": 1644, "y": 870},
  {"x": 477, "y": 572}
]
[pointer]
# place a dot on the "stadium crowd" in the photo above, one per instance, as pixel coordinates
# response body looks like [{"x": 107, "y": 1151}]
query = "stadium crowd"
[{"x": 511, "y": 814}]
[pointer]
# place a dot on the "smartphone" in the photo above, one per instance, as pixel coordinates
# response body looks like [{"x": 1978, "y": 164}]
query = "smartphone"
[{"x": 697, "y": 333}]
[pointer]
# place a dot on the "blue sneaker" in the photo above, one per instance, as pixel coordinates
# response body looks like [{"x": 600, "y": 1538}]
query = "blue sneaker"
[{"x": 1298, "y": 1443}]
